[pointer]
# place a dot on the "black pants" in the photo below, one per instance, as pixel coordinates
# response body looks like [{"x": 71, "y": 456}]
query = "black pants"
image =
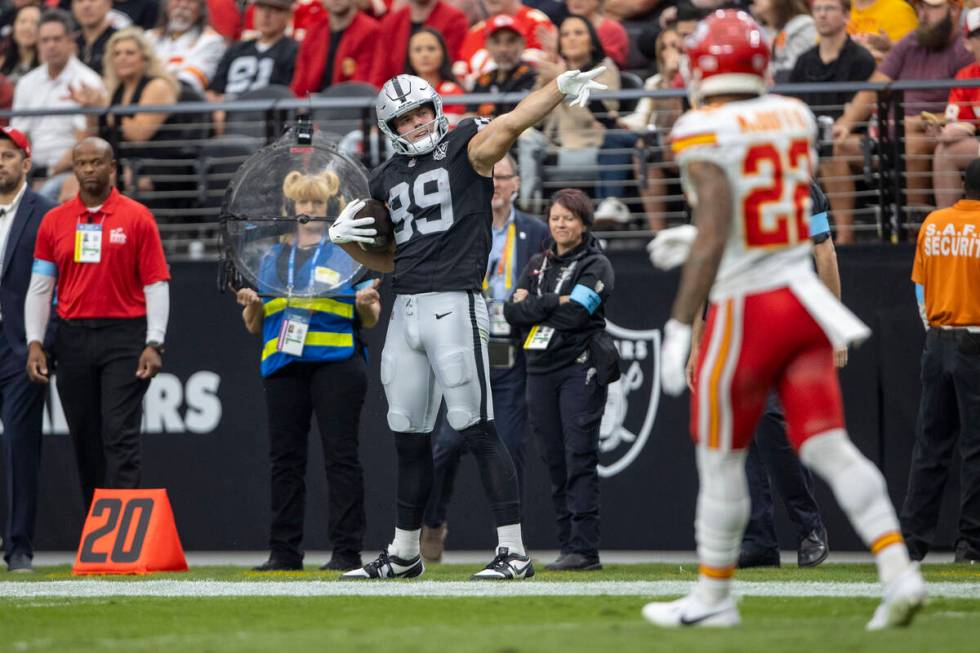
[
  {"x": 950, "y": 407},
  {"x": 102, "y": 398},
  {"x": 334, "y": 392},
  {"x": 22, "y": 411},
  {"x": 772, "y": 457},
  {"x": 448, "y": 446},
  {"x": 565, "y": 409}
]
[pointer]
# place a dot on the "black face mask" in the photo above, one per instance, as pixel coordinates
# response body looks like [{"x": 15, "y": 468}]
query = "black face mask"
[{"x": 935, "y": 38}]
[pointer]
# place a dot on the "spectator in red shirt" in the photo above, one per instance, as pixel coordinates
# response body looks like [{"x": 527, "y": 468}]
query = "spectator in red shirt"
[
  {"x": 505, "y": 43},
  {"x": 399, "y": 24},
  {"x": 6, "y": 97},
  {"x": 958, "y": 138},
  {"x": 537, "y": 29},
  {"x": 306, "y": 13},
  {"x": 429, "y": 59},
  {"x": 103, "y": 250},
  {"x": 226, "y": 18},
  {"x": 612, "y": 34},
  {"x": 339, "y": 48}
]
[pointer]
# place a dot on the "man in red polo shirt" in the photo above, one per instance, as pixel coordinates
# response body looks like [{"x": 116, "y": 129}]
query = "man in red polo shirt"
[{"x": 104, "y": 252}]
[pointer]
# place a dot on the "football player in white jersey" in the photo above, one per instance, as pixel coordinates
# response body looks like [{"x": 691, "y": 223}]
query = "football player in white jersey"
[{"x": 746, "y": 160}]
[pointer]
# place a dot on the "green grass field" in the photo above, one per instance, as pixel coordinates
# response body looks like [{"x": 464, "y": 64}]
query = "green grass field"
[{"x": 293, "y": 624}]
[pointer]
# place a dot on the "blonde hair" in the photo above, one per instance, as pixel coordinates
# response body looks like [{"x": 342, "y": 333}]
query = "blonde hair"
[
  {"x": 153, "y": 66},
  {"x": 320, "y": 187},
  {"x": 304, "y": 187}
]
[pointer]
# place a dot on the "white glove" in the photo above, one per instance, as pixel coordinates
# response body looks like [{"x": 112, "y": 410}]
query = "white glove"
[
  {"x": 347, "y": 229},
  {"x": 671, "y": 246},
  {"x": 578, "y": 85},
  {"x": 674, "y": 354}
]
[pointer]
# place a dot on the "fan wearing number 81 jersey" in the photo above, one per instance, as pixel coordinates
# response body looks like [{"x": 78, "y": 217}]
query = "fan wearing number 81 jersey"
[{"x": 746, "y": 160}]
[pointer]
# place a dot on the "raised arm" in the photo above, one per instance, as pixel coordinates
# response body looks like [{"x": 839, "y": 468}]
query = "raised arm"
[{"x": 495, "y": 140}]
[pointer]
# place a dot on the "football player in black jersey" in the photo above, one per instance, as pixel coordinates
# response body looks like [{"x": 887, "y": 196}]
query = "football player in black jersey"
[{"x": 438, "y": 187}]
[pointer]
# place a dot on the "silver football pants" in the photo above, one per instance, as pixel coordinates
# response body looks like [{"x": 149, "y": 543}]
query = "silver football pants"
[{"x": 436, "y": 348}]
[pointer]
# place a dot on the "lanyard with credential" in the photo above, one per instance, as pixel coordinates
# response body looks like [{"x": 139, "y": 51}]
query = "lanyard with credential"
[
  {"x": 505, "y": 264},
  {"x": 296, "y": 323},
  {"x": 292, "y": 265},
  {"x": 562, "y": 277}
]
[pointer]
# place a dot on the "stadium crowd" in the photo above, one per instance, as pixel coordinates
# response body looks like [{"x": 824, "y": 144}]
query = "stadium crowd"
[{"x": 100, "y": 53}]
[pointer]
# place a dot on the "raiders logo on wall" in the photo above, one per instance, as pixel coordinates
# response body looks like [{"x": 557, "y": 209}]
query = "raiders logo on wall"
[{"x": 631, "y": 407}]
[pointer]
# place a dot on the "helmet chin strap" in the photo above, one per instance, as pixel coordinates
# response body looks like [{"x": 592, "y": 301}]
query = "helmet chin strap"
[{"x": 423, "y": 145}]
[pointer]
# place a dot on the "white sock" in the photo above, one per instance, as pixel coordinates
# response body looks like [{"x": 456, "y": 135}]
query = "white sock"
[
  {"x": 712, "y": 590},
  {"x": 405, "y": 544},
  {"x": 893, "y": 559},
  {"x": 510, "y": 537},
  {"x": 861, "y": 492},
  {"x": 723, "y": 511}
]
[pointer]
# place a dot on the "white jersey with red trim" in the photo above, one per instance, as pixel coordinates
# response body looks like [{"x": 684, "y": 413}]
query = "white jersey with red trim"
[
  {"x": 192, "y": 57},
  {"x": 765, "y": 147}
]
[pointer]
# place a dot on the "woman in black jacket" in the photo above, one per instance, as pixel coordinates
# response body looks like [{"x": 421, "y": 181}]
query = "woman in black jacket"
[{"x": 560, "y": 303}]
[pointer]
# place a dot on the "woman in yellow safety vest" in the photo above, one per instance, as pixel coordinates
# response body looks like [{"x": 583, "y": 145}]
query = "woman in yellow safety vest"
[{"x": 312, "y": 363}]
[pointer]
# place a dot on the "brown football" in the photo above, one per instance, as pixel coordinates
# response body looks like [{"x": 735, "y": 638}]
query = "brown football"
[{"x": 382, "y": 223}]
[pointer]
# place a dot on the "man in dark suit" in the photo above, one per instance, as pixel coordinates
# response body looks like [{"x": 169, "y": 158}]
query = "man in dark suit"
[
  {"x": 21, "y": 402},
  {"x": 516, "y": 238}
]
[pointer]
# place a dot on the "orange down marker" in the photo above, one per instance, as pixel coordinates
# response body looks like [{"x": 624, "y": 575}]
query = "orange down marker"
[{"x": 129, "y": 532}]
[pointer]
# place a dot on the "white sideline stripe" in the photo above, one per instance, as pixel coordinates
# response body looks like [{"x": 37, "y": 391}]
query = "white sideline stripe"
[{"x": 207, "y": 588}]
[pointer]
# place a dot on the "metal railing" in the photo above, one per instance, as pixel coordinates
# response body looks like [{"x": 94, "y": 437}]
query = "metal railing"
[{"x": 182, "y": 174}]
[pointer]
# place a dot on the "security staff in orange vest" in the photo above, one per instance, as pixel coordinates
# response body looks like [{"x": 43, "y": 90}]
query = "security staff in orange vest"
[{"x": 947, "y": 275}]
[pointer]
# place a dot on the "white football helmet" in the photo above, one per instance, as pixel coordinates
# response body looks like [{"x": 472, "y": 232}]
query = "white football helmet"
[{"x": 400, "y": 95}]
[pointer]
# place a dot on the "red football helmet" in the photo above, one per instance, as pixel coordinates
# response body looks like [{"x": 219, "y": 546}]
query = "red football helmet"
[{"x": 727, "y": 53}]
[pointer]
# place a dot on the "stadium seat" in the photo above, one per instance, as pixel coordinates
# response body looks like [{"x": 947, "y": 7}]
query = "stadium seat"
[
  {"x": 218, "y": 161},
  {"x": 256, "y": 123},
  {"x": 345, "y": 120}
]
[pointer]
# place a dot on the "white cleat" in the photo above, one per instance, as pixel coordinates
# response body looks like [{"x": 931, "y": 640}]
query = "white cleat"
[
  {"x": 904, "y": 596},
  {"x": 691, "y": 611}
]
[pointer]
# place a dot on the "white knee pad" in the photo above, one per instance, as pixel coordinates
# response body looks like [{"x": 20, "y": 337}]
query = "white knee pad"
[
  {"x": 462, "y": 389},
  {"x": 399, "y": 422},
  {"x": 857, "y": 484},
  {"x": 723, "y": 506},
  {"x": 461, "y": 419}
]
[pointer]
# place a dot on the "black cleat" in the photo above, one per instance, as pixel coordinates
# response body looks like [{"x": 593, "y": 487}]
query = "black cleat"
[{"x": 387, "y": 566}]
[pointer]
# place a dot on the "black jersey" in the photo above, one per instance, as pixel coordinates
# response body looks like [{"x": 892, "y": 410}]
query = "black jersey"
[
  {"x": 440, "y": 208},
  {"x": 245, "y": 67}
]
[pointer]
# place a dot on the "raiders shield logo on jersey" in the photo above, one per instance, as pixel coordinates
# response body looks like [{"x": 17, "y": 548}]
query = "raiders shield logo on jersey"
[{"x": 631, "y": 404}]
